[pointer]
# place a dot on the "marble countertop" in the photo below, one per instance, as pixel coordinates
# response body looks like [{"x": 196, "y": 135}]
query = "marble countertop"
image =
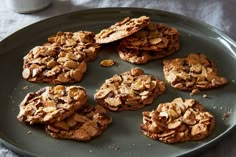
[{"x": 218, "y": 13}]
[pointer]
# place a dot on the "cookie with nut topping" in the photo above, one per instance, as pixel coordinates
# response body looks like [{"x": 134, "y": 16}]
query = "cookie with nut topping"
[
  {"x": 152, "y": 42},
  {"x": 154, "y": 37},
  {"x": 121, "y": 29},
  {"x": 62, "y": 60},
  {"x": 142, "y": 56},
  {"x": 51, "y": 104},
  {"x": 193, "y": 73},
  {"x": 83, "y": 125},
  {"x": 130, "y": 90},
  {"x": 178, "y": 121},
  {"x": 81, "y": 43}
]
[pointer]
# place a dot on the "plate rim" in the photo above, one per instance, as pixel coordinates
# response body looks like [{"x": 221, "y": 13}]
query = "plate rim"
[{"x": 199, "y": 149}]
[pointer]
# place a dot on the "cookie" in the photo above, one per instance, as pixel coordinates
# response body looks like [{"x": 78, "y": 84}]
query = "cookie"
[
  {"x": 83, "y": 125},
  {"x": 121, "y": 29},
  {"x": 154, "y": 37},
  {"x": 130, "y": 90},
  {"x": 142, "y": 56},
  {"x": 178, "y": 121},
  {"x": 51, "y": 104},
  {"x": 62, "y": 60},
  {"x": 80, "y": 43},
  {"x": 194, "y": 73}
]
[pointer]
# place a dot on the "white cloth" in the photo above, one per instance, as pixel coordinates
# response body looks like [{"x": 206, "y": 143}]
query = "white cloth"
[{"x": 218, "y": 13}]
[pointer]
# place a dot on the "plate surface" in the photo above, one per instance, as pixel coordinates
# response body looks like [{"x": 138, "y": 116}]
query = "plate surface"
[{"x": 123, "y": 137}]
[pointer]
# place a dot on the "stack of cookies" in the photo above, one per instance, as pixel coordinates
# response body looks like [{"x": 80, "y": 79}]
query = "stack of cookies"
[
  {"x": 141, "y": 40},
  {"x": 65, "y": 113}
]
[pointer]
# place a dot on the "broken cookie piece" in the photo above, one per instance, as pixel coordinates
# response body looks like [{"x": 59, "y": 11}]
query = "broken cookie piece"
[
  {"x": 51, "y": 104},
  {"x": 130, "y": 90},
  {"x": 121, "y": 29},
  {"x": 178, "y": 121},
  {"x": 194, "y": 73},
  {"x": 83, "y": 125}
]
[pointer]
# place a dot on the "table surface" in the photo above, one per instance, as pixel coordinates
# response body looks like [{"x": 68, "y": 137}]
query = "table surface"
[{"x": 218, "y": 13}]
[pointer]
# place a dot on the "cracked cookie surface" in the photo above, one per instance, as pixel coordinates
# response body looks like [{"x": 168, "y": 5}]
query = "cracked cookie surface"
[
  {"x": 130, "y": 90},
  {"x": 178, "y": 121}
]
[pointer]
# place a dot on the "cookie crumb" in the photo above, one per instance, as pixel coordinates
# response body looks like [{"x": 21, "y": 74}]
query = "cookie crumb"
[
  {"x": 25, "y": 87},
  {"x": 227, "y": 114},
  {"x": 107, "y": 62},
  {"x": 194, "y": 92},
  {"x": 204, "y": 96},
  {"x": 117, "y": 148}
]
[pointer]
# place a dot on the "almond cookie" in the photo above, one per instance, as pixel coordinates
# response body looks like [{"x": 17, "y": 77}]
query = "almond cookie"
[
  {"x": 194, "y": 73},
  {"x": 62, "y": 60},
  {"x": 83, "y": 125},
  {"x": 130, "y": 90},
  {"x": 154, "y": 37},
  {"x": 122, "y": 29},
  {"x": 178, "y": 121},
  {"x": 80, "y": 43},
  {"x": 51, "y": 104},
  {"x": 143, "y": 56}
]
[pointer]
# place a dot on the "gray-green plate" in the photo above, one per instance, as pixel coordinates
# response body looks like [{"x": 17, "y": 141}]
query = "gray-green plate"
[{"x": 123, "y": 137}]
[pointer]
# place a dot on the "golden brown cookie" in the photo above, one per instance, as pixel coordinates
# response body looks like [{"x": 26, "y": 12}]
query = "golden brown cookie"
[
  {"x": 194, "y": 73},
  {"x": 80, "y": 43},
  {"x": 51, "y": 104},
  {"x": 62, "y": 60},
  {"x": 142, "y": 56},
  {"x": 178, "y": 121},
  {"x": 83, "y": 125},
  {"x": 152, "y": 42},
  {"x": 121, "y": 29},
  {"x": 130, "y": 90},
  {"x": 154, "y": 37}
]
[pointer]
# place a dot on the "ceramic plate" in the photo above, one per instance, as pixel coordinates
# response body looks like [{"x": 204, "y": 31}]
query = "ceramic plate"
[{"x": 123, "y": 137}]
